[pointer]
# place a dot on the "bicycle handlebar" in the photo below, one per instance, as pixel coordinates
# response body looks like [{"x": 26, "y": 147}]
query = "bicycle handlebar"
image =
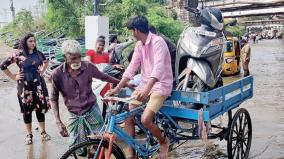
[{"x": 129, "y": 100}]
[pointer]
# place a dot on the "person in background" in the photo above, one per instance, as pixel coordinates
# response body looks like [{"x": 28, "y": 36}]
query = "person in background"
[
  {"x": 116, "y": 49},
  {"x": 254, "y": 38},
  {"x": 98, "y": 56},
  {"x": 245, "y": 56},
  {"x": 152, "y": 55},
  {"x": 32, "y": 91}
]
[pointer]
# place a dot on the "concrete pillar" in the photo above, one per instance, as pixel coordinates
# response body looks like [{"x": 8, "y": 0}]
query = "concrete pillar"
[{"x": 96, "y": 26}]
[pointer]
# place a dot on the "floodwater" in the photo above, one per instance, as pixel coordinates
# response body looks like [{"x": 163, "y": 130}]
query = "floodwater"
[{"x": 266, "y": 109}]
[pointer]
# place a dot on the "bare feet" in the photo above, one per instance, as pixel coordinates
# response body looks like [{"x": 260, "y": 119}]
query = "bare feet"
[{"x": 164, "y": 148}]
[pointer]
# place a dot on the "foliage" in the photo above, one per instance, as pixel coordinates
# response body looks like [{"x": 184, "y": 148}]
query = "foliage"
[
  {"x": 236, "y": 30},
  {"x": 115, "y": 18},
  {"x": 22, "y": 24},
  {"x": 161, "y": 2},
  {"x": 120, "y": 12},
  {"x": 164, "y": 21},
  {"x": 165, "y": 24},
  {"x": 68, "y": 15}
]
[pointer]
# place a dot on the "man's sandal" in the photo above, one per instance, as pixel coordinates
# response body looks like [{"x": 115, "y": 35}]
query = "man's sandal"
[
  {"x": 29, "y": 139},
  {"x": 45, "y": 136}
]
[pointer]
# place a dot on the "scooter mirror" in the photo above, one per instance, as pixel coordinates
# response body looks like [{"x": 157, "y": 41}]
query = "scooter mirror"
[{"x": 192, "y": 3}]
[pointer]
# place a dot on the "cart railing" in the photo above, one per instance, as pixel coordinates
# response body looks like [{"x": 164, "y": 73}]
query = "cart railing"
[
  {"x": 216, "y": 102},
  {"x": 232, "y": 96}
]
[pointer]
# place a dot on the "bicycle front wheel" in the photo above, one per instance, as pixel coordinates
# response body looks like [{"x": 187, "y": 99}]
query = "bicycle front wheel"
[{"x": 87, "y": 150}]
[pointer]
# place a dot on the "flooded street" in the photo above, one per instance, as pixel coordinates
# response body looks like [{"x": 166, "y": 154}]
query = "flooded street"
[{"x": 266, "y": 109}]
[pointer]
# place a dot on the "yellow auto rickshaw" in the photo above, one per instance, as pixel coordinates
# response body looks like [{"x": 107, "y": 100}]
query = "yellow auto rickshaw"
[{"x": 232, "y": 65}]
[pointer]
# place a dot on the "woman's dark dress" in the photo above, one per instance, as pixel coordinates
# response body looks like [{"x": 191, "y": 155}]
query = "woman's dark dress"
[{"x": 32, "y": 91}]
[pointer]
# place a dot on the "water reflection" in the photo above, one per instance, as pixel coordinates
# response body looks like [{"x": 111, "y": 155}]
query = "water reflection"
[
  {"x": 30, "y": 152},
  {"x": 37, "y": 151},
  {"x": 43, "y": 151}
]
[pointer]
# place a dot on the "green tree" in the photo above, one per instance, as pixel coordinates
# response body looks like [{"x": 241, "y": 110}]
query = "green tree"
[
  {"x": 115, "y": 17},
  {"x": 24, "y": 20},
  {"x": 236, "y": 30},
  {"x": 161, "y": 2},
  {"x": 22, "y": 24},
  {"x": 16, "y": 29},
  {"x": 68, "y": 15},
  {"x": 120, "y": 12},
  {"x": 164, "y": 23}
]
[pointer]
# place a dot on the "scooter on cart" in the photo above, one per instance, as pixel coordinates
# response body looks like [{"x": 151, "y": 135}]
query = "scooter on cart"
[{"x": 200, "y": 52}]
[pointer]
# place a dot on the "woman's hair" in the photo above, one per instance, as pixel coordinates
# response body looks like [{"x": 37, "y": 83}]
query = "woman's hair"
[
  {"x": 101, "y": 39},
  {"x": 71, "y": 47},
  {"x": 24, "y": 46}
]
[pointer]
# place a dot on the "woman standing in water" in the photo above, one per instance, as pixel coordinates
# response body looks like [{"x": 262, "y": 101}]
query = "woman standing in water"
[{"x": 32, "y": 91}]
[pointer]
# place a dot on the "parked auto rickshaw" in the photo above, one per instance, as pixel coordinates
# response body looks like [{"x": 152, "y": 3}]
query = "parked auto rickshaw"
[{"x": 232, "y": 65}]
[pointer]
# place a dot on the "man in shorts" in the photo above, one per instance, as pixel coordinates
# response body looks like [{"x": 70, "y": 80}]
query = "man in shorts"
[{"x": 152, "y": 55}]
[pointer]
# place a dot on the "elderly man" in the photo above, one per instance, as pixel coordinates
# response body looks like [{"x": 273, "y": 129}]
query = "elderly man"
[{"x": 73, "y": 79}]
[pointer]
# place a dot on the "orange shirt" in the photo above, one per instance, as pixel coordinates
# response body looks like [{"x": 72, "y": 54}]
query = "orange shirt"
[{"x": 97, "y": 58}]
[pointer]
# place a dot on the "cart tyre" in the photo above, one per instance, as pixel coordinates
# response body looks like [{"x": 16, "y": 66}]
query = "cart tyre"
[{"x": 240, "y": 135}]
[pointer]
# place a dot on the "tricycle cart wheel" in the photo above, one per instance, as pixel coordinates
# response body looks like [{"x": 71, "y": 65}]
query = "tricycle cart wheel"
[
  {"x": 88, "y": 149},
  {"x": 240, "y": 133}
]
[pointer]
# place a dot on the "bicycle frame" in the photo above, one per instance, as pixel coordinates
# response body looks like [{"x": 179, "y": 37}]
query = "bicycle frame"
[{"x": 112, "y": 128}]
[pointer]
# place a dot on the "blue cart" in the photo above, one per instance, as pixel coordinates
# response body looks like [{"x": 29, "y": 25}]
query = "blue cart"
[
  {"x": 215, "y": 103},
  {"x": 237, "y": 133}
]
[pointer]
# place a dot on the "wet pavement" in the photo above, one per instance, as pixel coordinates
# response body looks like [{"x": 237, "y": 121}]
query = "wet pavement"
[{"x": 266, "y": 109}]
